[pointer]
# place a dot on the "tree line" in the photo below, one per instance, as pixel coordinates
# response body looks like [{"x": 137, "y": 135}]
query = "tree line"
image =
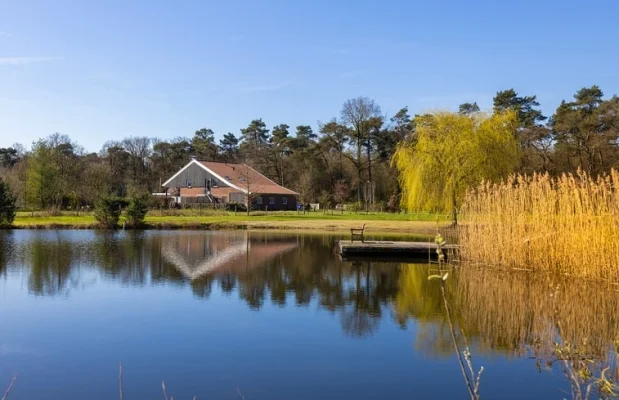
[{"x": 347, "y": 160}]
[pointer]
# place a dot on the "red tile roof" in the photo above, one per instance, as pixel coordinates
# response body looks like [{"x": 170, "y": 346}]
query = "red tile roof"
[{"x": 242, "y": 175}]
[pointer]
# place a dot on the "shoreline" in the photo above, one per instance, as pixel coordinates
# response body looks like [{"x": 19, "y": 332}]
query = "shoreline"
[{"x": 373, "y": 226}]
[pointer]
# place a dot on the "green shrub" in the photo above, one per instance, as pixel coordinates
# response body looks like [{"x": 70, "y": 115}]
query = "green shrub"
[
  {"x": 8, "y": 204},
  {"x": 137, "y": 209},
  {"x": 107, "y": 211},
  {"x": 355, "y": 207},
  {"x": 324, "y": 200},
  {"x": 240, "y": 207}
]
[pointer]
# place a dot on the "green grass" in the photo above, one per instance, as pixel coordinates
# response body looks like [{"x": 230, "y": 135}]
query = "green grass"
[
  {"x": 257, "y": 220},
  {"x": 25, "y": 220}
]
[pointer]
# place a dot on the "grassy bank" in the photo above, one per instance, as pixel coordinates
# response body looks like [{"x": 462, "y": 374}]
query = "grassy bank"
[
  {"x": 194, "y": 219},
  {"x": 567, "y": 225}
]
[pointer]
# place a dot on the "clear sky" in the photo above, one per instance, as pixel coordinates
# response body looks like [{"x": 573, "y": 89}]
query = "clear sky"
[{"x": 102, "y": 70}]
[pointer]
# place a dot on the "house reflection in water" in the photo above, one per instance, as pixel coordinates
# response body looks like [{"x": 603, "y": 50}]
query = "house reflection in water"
[{"x": 196, "y": 255}]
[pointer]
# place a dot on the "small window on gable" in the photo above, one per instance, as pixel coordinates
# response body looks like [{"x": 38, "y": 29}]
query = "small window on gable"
[
  {"x": 259, "y": 200},
  {"x": 271, "y": 200},
  {"x": 188, "y": 183},
  {"x": 285, "y": 200}
]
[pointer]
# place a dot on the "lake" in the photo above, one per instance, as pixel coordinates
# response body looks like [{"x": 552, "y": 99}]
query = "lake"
[{"x": 232, "y": 315}]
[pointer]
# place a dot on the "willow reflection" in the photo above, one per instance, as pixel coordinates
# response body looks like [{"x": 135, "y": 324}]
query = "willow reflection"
[{"x": 517, "y": 314}]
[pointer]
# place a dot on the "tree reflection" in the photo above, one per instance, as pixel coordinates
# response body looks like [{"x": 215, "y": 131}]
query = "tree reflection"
[
  {"x": 227, "y": 282},
  {"x": 51, "y": 266},
  {"x": 259, "y": 268},
  {"x": 6, "y": 250}
]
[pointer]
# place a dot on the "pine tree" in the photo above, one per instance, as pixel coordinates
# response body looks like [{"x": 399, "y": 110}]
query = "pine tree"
[{"x": 8, "y": 204}]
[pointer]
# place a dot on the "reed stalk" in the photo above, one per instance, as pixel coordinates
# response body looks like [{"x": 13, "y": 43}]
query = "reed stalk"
[{"x": 567, "y": 224}]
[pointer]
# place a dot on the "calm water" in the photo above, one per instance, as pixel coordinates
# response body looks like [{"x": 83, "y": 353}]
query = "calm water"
[{"x": 276, "y": 316}]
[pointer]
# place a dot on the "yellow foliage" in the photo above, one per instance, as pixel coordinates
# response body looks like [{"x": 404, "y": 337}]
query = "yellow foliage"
[{"x": 451, "y": 153}]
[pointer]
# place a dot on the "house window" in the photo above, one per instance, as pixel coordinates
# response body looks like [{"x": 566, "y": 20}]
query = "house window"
[
  {"x": 285, "y": 201},
  {"x": 259, "y": 200},
  {"x": 188, "y": 183},
  {"x": 272, "y": 200}
]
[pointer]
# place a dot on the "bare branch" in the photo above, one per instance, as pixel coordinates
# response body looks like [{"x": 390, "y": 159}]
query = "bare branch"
[
  {"x": 8, "y": 390},
  {"x": 165, "y": 394},
  {"x": 120, "y": 381},
  {"x": 481, "y": 369}
]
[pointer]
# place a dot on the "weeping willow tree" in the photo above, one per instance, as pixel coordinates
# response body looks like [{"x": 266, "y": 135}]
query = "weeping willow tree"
[{"x": 451, "y": 153}]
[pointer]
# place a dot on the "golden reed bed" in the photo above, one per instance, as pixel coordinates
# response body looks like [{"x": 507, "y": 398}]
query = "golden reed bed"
[{"x": 568, "y": 224}]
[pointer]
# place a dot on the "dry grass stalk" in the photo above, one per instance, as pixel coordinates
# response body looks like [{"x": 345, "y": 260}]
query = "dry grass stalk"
[
  {"x": 120, "y": 381},
  {"x": 165, "y": 393},
  {"x": 8, "y": 390},
  {"x": 567, "y": 225}
]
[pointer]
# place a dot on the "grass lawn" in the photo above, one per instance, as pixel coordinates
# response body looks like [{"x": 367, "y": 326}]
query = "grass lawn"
[{"x": 192, "y": 219}]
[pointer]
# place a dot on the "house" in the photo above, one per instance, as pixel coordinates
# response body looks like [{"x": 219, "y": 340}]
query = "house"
[{"x": 221, "y": 183}]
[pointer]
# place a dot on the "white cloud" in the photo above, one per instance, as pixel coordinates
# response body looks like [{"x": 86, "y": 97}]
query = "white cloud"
[{"x": 17, "y": 61}]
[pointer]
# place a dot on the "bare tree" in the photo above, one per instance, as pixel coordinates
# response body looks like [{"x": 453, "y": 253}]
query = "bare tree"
[
  {"x": 359, "y": 115},
  {"x": 140, "y": 150},
  {"x": 248, "y": 176}
]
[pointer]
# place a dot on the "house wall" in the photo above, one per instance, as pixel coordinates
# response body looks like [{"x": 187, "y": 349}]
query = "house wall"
[
  {"x": 225, "y": 193},
  {"x": 196, "y": 176},
  {"x": 192, "y": 191},
  {"x": 279, "y": 202}
]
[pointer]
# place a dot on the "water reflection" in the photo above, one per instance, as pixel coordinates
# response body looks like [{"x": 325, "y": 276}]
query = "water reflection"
[
  {"x": 565, "y": 325},
  {"x": 516, "y": 313},
  {"x": 507, "y": 315},
  {"x": 195, "y": 255},
  {"x": 258, "y": 267}
]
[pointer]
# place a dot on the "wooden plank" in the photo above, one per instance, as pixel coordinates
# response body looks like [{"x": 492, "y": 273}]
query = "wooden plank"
[{"x": 389, "y": 248}]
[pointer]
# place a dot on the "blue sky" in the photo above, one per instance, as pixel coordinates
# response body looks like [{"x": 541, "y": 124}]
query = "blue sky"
[{"x": 103, "y": 70}]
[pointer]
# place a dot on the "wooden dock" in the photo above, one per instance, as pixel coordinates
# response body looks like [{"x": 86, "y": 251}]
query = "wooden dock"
[{"x": 358, "y": 249}]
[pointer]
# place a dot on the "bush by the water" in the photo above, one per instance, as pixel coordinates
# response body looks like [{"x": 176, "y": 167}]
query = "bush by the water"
[
  {"x": 568, "y": 224},
  {"x": 107, "y": 211},
  {"x": 137, "y": 209},
  {"x": 8, "y": 204}
]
